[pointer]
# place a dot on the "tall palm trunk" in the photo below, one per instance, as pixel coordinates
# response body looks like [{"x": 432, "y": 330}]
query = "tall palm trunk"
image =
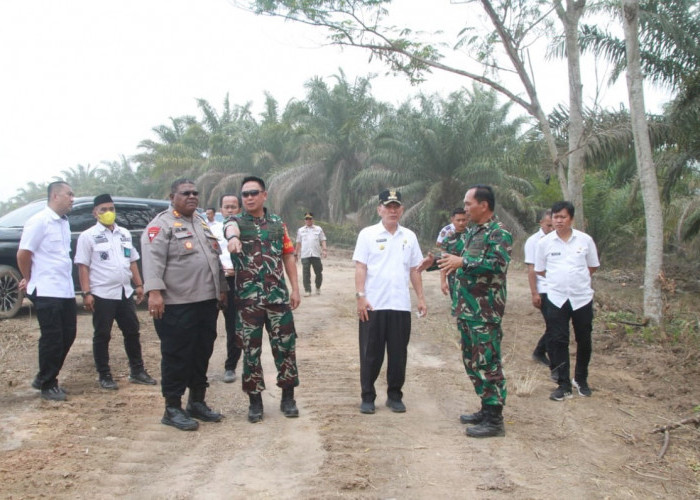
[{"x": 653, "y": 306}]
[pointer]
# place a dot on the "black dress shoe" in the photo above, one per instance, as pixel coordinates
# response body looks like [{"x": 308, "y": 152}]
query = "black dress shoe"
[
  {"x": 107, "y": 382},
  {"x": 53, "y": 394},
  {"x": 200, "y": 411},
  {"x": 178, "y": 418},
  {"x": 367, "y": 407},
  {"x": 396, "y": 405},
  {"x": 142, "y": 377}
]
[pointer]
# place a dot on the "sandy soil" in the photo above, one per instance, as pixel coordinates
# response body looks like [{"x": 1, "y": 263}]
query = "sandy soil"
[{"x": 103, "y": 444}]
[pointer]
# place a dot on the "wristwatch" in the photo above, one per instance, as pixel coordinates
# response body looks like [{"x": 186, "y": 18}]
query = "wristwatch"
[{"x": 359, "y": 294}]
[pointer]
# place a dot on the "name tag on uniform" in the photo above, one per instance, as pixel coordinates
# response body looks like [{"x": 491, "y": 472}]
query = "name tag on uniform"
[{"x": 100, "y": 238}]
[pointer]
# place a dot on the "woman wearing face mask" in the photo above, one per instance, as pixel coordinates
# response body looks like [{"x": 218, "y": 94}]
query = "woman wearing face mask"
[{"x": 106, "y": 262}]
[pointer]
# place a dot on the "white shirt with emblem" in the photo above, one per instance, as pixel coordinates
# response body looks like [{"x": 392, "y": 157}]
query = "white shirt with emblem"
[
  {"x": 109, "y": 255},
  {"x": 47, "y": 236},
  {"x": 566, "y": 264},
  {"x": 389, "y": 259},
  {"x": 530, "y": 252},
  {"x": 310, "y": 238}
]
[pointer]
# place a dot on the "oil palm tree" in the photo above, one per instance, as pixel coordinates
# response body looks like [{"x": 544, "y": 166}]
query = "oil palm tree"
[
  {"x": 434, "y": 151},
  {"x": 332, "y": 128}
]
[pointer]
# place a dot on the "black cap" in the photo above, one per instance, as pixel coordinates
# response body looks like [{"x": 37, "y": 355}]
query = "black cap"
[
  {"x": 102, "y": 198},
  {"x": 308, "y": 215},
  {"x": 390, "y": 196}
]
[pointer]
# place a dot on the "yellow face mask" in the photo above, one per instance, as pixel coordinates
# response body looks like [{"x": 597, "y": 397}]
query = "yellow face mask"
[{"x": 107, "y": 218}]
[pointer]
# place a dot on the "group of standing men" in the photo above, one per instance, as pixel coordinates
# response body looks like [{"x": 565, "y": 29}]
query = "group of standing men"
[
  {"x": 194, "y": 267},
  {"x": 106, "y": 261},
  {"x": 561, "y": 261}
]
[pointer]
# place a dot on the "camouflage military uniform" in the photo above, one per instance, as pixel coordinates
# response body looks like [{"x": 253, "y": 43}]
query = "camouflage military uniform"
[
  {"x": 478, "y": 302},
  {"x": 262, "y": 299}
]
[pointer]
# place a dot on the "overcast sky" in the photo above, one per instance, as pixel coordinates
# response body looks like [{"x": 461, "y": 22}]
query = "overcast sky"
[{"x": 84, "y": 81}]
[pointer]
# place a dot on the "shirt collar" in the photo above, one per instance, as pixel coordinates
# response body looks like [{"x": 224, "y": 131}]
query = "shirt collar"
[{"x": 383, "y": 229}]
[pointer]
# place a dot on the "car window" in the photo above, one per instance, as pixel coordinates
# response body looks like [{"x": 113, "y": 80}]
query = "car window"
[
  {"x": 134, "y": 216},
  {"x": 81, "y": 218},
  {"x": 19, "y": 216}
]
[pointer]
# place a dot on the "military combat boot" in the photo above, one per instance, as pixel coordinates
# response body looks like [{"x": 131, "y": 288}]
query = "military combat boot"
[
  {"x": 198, "y": 409},
  {"x": 473, "y": 418},
  {"x": 288, "y": 405},
  {"x": 492, "y": 424},
  {"x": 255, "y": 410},
  {"x": 177, "y": 417}
]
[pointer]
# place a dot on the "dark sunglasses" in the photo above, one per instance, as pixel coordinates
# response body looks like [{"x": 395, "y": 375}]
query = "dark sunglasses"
[
  {"x": 248, "y": 194},
  {"x": 188, "y": 193}
]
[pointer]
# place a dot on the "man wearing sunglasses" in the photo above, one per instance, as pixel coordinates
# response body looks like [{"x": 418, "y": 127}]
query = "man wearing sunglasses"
[
  {"x": 261, "y": 252},
  {"x": 186, "y": 285}
]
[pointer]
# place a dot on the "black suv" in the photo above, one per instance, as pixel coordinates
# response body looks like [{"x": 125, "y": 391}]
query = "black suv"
[{"x": 133, "y": 214}]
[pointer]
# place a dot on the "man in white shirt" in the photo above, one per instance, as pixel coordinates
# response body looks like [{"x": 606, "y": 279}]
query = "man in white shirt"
[
  {"x": 568, "y": 258},
  {"x": 44, "y": 261},
  {"x": 311, "y": 247},
  {"x": 229, "y": 206},
  {"x": 106, "y": 260},
  {"x": 387, "y": 256},
  {"x": 211, "y": 217},
  {"x": 538, "y": 285}
]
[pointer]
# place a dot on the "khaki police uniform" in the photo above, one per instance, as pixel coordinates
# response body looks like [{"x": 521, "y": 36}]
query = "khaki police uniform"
[{"x": 181, "y": 259}]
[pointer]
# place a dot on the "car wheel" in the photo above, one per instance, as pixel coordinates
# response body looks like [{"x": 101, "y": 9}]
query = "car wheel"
[{"x": 11, "y": 296}]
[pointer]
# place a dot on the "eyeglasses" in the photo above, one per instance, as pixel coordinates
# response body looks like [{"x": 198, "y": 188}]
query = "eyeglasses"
[
  {"x": 188, "y": 193},
  {"x": 251, "y": 193}
]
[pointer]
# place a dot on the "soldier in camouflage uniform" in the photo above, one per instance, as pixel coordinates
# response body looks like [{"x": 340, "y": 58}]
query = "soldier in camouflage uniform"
[
  {"x": 478, "y": 302},
  {"x": 453, "y": 243},
  {"x": 260, "y": 247}
]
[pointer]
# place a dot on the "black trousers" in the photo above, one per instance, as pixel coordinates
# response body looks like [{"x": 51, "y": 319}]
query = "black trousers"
[
  {"x": 385, "y": 329},
  {"x": 233, "y": 345},
  {"x": 558, "y": 346},
  {"x": 124, "y": 312},
  {"x": 541, "y": 347},
  {"x": 57, "y": 323},
  {"x": 306, "y": 265},
  {"x": 187, "y": 333}
]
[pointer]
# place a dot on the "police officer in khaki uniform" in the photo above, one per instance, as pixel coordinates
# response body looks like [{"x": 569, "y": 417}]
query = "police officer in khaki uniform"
[{"x": 185, "y": 284}]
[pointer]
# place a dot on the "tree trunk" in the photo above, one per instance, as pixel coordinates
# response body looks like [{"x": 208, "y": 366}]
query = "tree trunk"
[
  {"x": 653, "y": 305},
  {"x": 570, "y": 19}
]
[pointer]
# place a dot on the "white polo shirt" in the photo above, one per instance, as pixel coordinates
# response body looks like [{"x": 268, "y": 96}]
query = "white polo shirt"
[
  {"x": 530, "y": 251},
  {"x": 47, "y": 236},
  {"x": 566, "y": 264},
  {"x": 389, "y": 259},
  {"x": 310, "y": 238},
  {"x": 217, "y": 229},
  {"x": 109, "y": 255}
]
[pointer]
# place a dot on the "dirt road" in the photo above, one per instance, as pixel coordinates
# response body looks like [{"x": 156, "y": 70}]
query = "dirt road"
[{"x": 102, "y": 444}]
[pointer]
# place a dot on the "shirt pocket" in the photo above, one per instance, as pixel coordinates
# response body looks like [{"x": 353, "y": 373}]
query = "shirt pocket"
[
  {"x": 54, "y": 235},
  {"x": 184, "y": 243},
  {"x": 101, "y": 252}
]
